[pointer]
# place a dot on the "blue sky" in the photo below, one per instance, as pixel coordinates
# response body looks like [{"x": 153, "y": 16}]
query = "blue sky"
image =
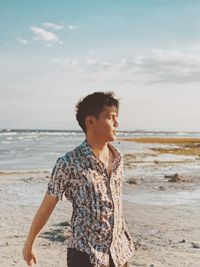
[{"x": 55, "y": 52}]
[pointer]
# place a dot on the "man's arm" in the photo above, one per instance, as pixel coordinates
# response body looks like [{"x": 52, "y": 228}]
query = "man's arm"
[{"x": 41, "y": 217}]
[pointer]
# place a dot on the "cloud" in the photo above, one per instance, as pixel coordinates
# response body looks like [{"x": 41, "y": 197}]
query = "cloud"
[
  {"x": 72, "y": 27},
  {"x": 160, "y": 67},
  {"x": 56, "y": 60},
  {"x": 90, "y": 62},
  {"x": 43, "y": 35},
  {"x": 167, "y": 66},
  {"x": 67, "y": 64},
  {"x": 22, "y": 41},
  {"x": 175, "y": 56},
  {"x": 52, "y": 26}
]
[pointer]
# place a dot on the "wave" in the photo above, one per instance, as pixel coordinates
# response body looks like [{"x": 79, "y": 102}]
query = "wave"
[
  {"x": 30, "y": 133},
  {"x": 24, "y": 171}
]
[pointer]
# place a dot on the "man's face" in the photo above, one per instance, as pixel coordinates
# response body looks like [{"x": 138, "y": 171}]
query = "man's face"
[{"x": 105, "y": 126}]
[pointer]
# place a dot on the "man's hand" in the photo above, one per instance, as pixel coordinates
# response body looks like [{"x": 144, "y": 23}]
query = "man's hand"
[
  {"x": 40, "y": 219},
  {"x": 29, "y": 255}
]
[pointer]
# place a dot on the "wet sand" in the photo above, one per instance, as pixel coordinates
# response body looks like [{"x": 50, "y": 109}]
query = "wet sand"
[{"x": 163, "y": 140}]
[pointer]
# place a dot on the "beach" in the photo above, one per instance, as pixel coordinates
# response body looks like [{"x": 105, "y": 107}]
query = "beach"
[{"x": 161, "y": 204}]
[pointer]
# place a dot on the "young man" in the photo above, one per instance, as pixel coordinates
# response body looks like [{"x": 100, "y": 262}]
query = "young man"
[{"x": 90, "y": 176}]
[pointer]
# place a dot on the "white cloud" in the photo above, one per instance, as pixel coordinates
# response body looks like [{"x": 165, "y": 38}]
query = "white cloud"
[
  {"x": 48, "y": 45},
  {"x": 72, "y": 27},
  {"x": 52, "y": 26},
  {"x": 175, "y": 56},
  {"x": 43, "y": 35},
  {"x": 67, "y": 64},
  {"x": 22, "y": 41},
  {"x": 160, "y": 67},
  {"x": 56, "y": 60},
  {"x": 90, "y": 62},
  {"x": 166, "y": 66},
  {"x": 106, "y": 64}
]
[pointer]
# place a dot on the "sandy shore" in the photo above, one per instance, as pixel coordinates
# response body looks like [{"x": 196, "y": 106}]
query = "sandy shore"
[
  {"x": 164, "y": 235},
  {"x": 163, "y": 215}
]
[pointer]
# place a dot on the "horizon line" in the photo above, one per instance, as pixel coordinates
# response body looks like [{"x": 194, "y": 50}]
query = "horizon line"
[{"x": 71, "y": 130}]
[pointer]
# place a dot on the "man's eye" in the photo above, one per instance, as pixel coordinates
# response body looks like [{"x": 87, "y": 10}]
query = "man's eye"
[{"x": 112, "y": 117}]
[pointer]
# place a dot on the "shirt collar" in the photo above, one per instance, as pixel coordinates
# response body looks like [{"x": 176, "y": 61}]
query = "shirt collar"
[{"x": 89, "y": 153}]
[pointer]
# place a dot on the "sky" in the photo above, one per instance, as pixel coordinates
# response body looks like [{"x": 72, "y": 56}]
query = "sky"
[{"x": 53, "y": 53}]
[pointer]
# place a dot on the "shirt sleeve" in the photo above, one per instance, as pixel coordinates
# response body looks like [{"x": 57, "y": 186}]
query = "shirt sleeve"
[{"x": 59, "y": 179}]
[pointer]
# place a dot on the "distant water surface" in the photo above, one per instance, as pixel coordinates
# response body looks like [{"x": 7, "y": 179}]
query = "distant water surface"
[{"x": 38, "y": 149}]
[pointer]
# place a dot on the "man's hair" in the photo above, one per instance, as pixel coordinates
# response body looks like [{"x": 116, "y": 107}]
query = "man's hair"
[{"x": 94, "y": 104}]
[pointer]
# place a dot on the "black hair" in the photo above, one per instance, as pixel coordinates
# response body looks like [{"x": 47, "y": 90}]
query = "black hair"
[{"x": 94, "y": 104}]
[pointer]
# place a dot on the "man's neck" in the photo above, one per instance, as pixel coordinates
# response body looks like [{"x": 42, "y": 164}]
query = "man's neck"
[{"x": 99, "y": 147}]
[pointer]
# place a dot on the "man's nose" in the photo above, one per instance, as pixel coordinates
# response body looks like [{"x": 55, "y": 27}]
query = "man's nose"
[{"x": 116, "y": 123}]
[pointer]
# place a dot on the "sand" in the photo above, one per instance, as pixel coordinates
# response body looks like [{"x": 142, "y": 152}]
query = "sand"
[{"x": 163, "y": 216}]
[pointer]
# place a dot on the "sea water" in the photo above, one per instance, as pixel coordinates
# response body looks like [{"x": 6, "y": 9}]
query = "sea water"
[{"x": 38, "y": 149}]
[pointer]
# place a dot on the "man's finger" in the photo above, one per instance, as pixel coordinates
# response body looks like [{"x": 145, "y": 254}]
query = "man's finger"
[
  {"x": 35, "y": 260},
  {"x": 30, "y": 262}
]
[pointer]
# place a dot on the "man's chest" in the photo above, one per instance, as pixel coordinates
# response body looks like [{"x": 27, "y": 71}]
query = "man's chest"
[
  {"x": 107, "y": 162},
  {"x": 94, "y": 179}
]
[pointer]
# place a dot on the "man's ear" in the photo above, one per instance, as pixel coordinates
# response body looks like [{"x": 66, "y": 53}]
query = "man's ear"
[{"x": 89, "y": 121}]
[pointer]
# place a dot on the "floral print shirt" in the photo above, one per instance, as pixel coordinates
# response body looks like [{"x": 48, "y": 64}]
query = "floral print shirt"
[{"x": 97, "y": 224}]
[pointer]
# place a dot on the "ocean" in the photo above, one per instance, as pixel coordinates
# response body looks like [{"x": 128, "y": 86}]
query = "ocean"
[
  {"x": 37, "y": 150},
  {"x": 25, "y": 149}
]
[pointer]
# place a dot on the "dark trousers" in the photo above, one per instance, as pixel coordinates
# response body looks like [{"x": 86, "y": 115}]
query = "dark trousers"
[{"x": 77, "y": 258}]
